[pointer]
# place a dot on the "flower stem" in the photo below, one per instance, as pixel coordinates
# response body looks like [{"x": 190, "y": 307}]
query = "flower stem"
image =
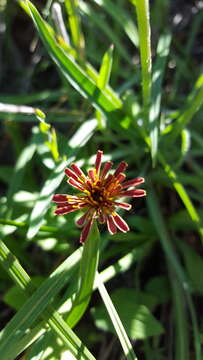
[{"x": 88, "y": 268}]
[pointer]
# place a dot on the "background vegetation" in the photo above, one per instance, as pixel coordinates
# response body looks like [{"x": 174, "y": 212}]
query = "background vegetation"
[{"x": 94, "y": 95}]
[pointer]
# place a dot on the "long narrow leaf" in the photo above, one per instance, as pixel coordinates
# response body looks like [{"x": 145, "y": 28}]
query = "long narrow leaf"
[
  {"x": 184, "y": 196},
  {"x": 36, "y": 305},
  {"x": 144, "y": 31},
  {"x": 119, "y": 328},
  {"x": 123, "y": 18},
  {"x": 71, "y": 71},
  {"x": 157, "y": 77},
  {"x": 42, "y": 204},
  {"x": 175, "y": 265}
]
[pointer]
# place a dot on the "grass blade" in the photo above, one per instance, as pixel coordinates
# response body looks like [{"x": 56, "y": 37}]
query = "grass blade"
[
  {"x": 184, "y": 196},
  {"x": 144, "y": 31},
  {"x": 123, "y": 338},
  {"x": 42, "y": 204},
  {"x": 159, "y": 223},
  {"x": 98, "y": 20},
  {"x": 19, "y": 170},
  {"x": 157, "y": 78},
  {"x": 123, "y": 18},
  {"x": 194, "y": 103},
  {"x": 71, "y": 71},
  {"x": 79, "y": 139},
  {"x": 34, "y": 307},
  {"x": 75, "y": 26}
]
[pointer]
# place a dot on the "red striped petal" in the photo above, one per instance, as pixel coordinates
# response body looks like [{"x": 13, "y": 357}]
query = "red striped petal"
[
  {"x": 78, "y": 171},
  {"x": 108, "y": 179},
  {"x": 76, "y": 184},
  {"x": 62, "y": 204},
  {"x": 120, "y": 177},
  {"x": 133, "y": 182},
  {"x": 111, "y": 226},
  {"x": 133, "y": 193},
  {"x": 59, "y": 198},
  {"x": 71, "y": 174},
  {"x": 120, "y": 223},
  {"x": 64, "y": 210},
  {"x": 85, "y": 232},
  {"x": 80, "y": 222},
  {"x": 105, "y": 169},
  {"x": 121, "y": 167},
  {"x": 123, "y": 205},
  {"x": 98, "y": 161},
  {"x": 91, "y": 174}
]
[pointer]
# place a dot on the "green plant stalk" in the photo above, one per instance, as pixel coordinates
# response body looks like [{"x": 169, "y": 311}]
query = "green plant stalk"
[
  {"x": 118, "y": 326},
  {"x": 144, "y": 31},
  {"x": 88, "y": 268},
  {"x": 22, "y": 279},
  {"x": 111, "y": 271}
]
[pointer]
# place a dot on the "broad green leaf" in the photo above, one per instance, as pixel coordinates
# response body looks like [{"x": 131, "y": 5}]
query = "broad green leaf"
[
  {"x": 137, "y": 319},
  {"x": 194, "y": 265},
  {"x": 154, "y": 285},
  {"x": 36, "y": 306},
  {"x": 15, "y": 297}
]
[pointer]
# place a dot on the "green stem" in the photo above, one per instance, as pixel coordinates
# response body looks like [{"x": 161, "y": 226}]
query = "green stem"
[
  {"x": 142, "y": 10},
  {"x": 88, "y": 268}
]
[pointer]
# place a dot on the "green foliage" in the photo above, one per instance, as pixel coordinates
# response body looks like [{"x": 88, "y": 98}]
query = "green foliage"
[
  {"x": 136, "y": 317},
  {"x": 124, "y": 77}
]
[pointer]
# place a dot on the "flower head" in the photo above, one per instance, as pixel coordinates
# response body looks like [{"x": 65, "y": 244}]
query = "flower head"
[{"x": 100, "y": 194}]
